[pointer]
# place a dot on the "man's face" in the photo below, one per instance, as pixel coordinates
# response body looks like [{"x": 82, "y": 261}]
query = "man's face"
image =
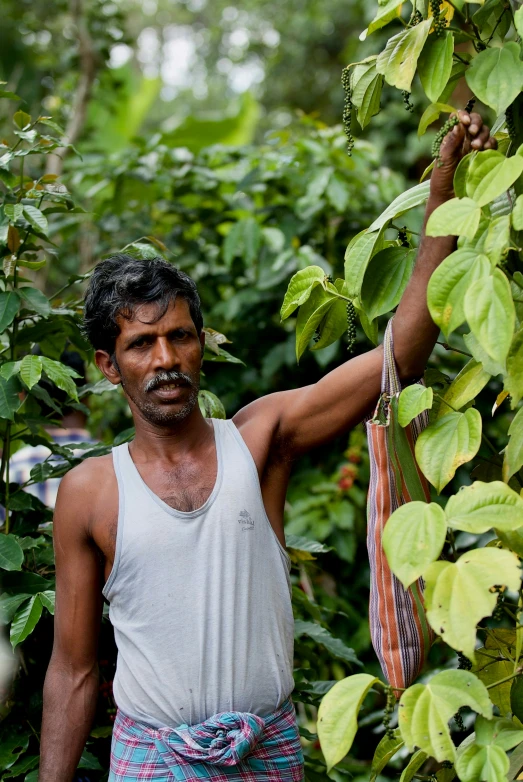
[{"x": 158, "y": 363}]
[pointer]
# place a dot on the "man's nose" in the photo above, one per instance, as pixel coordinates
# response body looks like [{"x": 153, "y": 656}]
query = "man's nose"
[{"x": 165, "y": 355}]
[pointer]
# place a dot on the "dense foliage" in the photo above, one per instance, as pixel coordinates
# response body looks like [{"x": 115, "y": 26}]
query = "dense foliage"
[{"x": 475, "y": 296}]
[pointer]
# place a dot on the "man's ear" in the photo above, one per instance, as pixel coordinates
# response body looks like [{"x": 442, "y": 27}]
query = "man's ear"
[
  {"x": 202, "y": 341},
  {"x": 106, "y": 365}
]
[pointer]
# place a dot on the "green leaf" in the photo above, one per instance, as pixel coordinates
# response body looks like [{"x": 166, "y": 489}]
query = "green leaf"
[
  {"x": 497, "y": 241},
  {"x": 12, "y": 745},
  {"x": 495, "y": 76},
  {"x": 311, "y": 314},
  {"x": 337, "y": 716},
  {"x": 61, "y": 375},
  {"x": 24, "y": 582},
  {"x": 11, "y": 555},
  {"x": 514, "y": 379},
  {"x": 34, "y": 300},
  {"x": 414, "y": 537},
  {"x": 142, "y": 250},
  {"x": 459, "y": 594},
  {"x": 449, "y": 283},
  {"x": 448, "y": 443},
  {"x": 25, "y": 620},
  {"x": 26, "y": 764},
  {"x": 22, "y": 119},
  {"x": 479, "y": 507},
  {"x": 387, "y": 11},
  {"x": 357, "y": 257},
  {"x": 490, "y": 174},
  {"x": 490, "y": 365},
  {"x": 457, "y": 216},
  {"x": 517, "y": 212},
  {"x": 9, "y": 399},
  {"x": 513, "y": 456},
  {"x": 425, "y": 710},
  {"x": 338, "y": 192},
  {"x": 334, "y": 646},
  {"x": 414, "y": 764},
  {"x": 464, "y": 388},
  {"x": 9, "y": 95},
  {"x": 411, "y": 198},
  {"x": 435, "y": 64},
  {"x": 300, "y": 288},
  {"x": 398, "y": 61},
  {"x": 31, "y": 370},
  {"x": 385, "y": 280},
  {"x": 48, "y": 600},
  {"x": 299, "y": 543},
  {"x": 366, "y": 85},
  {"x": 88, "y": 760},
  {"x": 430, "y": 115},
  {"x": 385, "y": 750},
  {"x": 13, "y": 212},
  {"x": 210, "y": 405},
  {"x": 414, "y": 400},
  {"x": 334, "y": 324},
  {"x": 490, "y": 313},
  {"x": 9, "y": 306},
  {"x": 36, "y": 219},
  {"x": 486, "y": 758},
  {"x": 518, "y": 21}
]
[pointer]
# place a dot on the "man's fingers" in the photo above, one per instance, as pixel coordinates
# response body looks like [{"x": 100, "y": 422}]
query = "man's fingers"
[
  {"x": 476, "y": 123},
  {"x": 492, "y": 143},
  {"x": 481, "y": 139},
  {"x": 464, "y": 117}
]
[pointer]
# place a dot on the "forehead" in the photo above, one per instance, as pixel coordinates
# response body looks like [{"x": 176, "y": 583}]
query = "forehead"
[{"x": 145, "y": 318}]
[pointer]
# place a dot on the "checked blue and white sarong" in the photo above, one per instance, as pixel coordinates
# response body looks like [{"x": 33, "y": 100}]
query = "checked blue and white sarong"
[{"x": 229, "y": 747}]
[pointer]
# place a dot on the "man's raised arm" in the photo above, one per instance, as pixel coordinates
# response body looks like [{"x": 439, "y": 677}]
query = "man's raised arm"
[
  {"x": 71, "y": 683},
  {"x": 307, "y": 417}
]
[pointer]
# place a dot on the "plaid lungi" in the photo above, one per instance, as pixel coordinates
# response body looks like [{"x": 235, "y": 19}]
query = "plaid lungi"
[{"x": 229, "y": 747}]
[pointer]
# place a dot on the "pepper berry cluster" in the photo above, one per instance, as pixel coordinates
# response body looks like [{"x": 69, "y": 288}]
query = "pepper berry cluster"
[
  {"x": 440, "y": 22},
  {"x": 440, "y": 135},
  {"x": 389, "y": 711},
  {"x": 406, "y": 100},
  {"x": 351, "y": 326},
  {"x": 347, "y": 109}
]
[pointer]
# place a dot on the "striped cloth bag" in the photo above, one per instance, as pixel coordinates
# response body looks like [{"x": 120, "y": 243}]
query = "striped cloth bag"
[{"x": 400, "y": 633}]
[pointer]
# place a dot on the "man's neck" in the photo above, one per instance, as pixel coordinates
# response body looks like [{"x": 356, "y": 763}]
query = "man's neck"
[{"x": 169, "y": 442}]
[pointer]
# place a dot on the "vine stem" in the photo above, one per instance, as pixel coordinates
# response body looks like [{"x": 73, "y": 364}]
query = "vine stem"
[
  {"x": 454, "y": 350},
  {"x": 505, "y": 679}
]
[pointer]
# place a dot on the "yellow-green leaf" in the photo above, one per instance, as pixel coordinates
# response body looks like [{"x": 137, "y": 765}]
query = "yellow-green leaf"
[
  {"x": 385, "y": 750},
  {"x": 337, "y": 716},
  {"x": 490, "y": 173},
  {"x": 458, "y": 217},
  {"x": 357, "y": 256},
  {"x": 495, "y": 75},
  {"x": 464, "y": 388},
  {"x": 431, "y": 114},
  {"x": 513, "y": 459},
  {"x": 413, "y": 400},
  {"x": 480, "y": 507},
  {"x": 449, "y": 284},
  {"x": 25, "y": 620},
  {"x": 425, "y": 710},
  {"x": 300, "y": 288},
  {"x": 448, "y": 443},
  {"x": 489, "y": 310},
  {"x": 398, "y": 61},
  {"x": 459, "y": 594},
  {"x": 517, "y": 212},
  {"x": 514, "y": 378},
  {"x": 414, "y": 537}
]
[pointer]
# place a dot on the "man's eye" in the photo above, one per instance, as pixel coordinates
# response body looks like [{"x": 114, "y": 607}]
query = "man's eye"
[{"x": 139, "y": 343}]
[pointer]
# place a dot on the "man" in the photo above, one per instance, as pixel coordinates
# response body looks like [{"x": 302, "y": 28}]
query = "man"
[{"x": 185, "y": 527}]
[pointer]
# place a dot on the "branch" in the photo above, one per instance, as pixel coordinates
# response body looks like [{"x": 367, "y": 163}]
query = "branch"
[{"x": 88, "y": 65}]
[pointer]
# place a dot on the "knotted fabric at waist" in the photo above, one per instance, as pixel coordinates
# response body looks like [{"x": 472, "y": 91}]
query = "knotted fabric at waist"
[{"x": 228, "y": 747}]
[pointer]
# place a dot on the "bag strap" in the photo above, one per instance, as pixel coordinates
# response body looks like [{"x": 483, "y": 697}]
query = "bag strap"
[{"x": 390, "y": 381}]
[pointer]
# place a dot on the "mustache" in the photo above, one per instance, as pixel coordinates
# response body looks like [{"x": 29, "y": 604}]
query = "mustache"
[{"x": 168, "y": 377}]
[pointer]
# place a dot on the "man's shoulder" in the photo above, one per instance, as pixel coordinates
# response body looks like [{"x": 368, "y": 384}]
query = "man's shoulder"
[{"x": 94, "y": 473}]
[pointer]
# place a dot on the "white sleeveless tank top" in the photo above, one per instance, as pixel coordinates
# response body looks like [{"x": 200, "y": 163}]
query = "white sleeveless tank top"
[{"x": 200, "y": 601}]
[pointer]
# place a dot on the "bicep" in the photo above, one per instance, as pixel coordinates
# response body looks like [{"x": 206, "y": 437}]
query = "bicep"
[
  {"x": 314, "y": 415},
  {"x": 78, "y": 581}
]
